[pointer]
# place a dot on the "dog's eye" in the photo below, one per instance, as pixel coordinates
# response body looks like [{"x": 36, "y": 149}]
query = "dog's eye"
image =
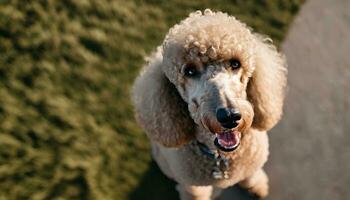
[
  {"x": 190, "y": 70},
  {"x": 235, "y": 64}
]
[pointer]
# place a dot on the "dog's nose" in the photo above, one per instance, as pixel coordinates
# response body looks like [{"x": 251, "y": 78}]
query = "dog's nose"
[{"x": 228, "y": 117}]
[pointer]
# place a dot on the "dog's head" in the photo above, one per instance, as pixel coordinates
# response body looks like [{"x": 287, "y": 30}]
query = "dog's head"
[{"x": 227, "y": 79}]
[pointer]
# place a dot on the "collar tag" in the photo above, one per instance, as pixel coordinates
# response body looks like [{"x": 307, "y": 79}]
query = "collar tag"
[{"x": 220, "y": 170}]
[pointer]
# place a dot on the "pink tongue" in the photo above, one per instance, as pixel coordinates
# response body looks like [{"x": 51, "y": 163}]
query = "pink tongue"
[{"x": 227, "y": 139}]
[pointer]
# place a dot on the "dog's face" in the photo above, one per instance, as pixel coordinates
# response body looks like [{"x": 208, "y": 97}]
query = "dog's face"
[
  {"x": 215, "y": 91},
  {"x": 211, "y": 67}
]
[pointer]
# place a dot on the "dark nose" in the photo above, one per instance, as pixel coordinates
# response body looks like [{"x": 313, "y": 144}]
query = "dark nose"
[{"x": 228, "y": 117}]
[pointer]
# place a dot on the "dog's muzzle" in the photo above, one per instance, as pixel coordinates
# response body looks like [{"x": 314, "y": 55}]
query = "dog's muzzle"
[{"x": 228, "y": 140}]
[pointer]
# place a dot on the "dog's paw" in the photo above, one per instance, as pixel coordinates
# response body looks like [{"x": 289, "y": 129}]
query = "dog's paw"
[
  {"x": 260, "y": 190},
  {"x": 257, "y": 184}
]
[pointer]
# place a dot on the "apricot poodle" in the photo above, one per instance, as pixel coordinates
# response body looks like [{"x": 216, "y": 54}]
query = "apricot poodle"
[{"x": 206, "y": 99}]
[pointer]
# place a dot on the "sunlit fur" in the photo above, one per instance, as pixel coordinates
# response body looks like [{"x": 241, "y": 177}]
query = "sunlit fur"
[{"x": 175, "y": 109}]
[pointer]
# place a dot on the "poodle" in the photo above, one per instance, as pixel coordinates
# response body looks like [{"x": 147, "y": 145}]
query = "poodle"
[{"x": 206, "y": 98}]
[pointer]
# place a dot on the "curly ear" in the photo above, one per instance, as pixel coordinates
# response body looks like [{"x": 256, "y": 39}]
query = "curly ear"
[
  {"x": 267, "y": 84},
  {"x": 159, "y": 107}
]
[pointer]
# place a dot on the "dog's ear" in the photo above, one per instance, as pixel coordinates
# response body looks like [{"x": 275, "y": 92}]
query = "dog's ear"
[
  {"x": 266, "y": 87},
  {"x": 160, "y": 109}
]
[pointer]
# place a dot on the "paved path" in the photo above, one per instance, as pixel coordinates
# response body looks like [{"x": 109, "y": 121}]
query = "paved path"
[{"x": 310, "y": 148}]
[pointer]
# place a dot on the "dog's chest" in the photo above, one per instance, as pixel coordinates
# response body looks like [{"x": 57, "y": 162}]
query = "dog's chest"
[{"x": 208, "y": 167}]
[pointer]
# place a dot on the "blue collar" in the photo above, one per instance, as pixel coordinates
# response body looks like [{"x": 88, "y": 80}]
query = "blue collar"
[{"x": 206, "y": 150}]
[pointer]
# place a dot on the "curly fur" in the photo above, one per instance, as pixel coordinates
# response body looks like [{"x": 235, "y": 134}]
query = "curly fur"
[{"x": 175, "y": 110}]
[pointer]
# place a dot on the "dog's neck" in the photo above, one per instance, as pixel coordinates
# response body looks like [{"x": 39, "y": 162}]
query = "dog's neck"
[{"x": 204, "y": 145}]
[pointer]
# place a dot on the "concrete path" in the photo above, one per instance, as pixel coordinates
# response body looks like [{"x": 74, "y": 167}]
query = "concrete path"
[{"x": 310, "y": 148}]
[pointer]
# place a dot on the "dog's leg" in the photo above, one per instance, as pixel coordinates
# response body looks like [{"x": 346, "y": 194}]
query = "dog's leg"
[
  {"x": 257, "y": 184},
  {"x": 194, "y": 192}
]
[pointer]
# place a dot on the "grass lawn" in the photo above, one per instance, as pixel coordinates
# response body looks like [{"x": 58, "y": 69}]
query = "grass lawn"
[{"x": 66, "y": 67}]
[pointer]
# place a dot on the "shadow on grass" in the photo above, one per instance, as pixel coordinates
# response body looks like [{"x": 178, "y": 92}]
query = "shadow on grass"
[
  {"x": 236, "y": 192},
  {"x": 156, "y": 186}
]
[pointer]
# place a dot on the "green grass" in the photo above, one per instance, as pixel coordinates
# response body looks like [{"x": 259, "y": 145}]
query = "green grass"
[{"x": 66, "y": 67}]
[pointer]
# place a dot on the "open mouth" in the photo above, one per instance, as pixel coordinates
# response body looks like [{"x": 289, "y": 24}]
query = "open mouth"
[{"x": 227, "y": 140}]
